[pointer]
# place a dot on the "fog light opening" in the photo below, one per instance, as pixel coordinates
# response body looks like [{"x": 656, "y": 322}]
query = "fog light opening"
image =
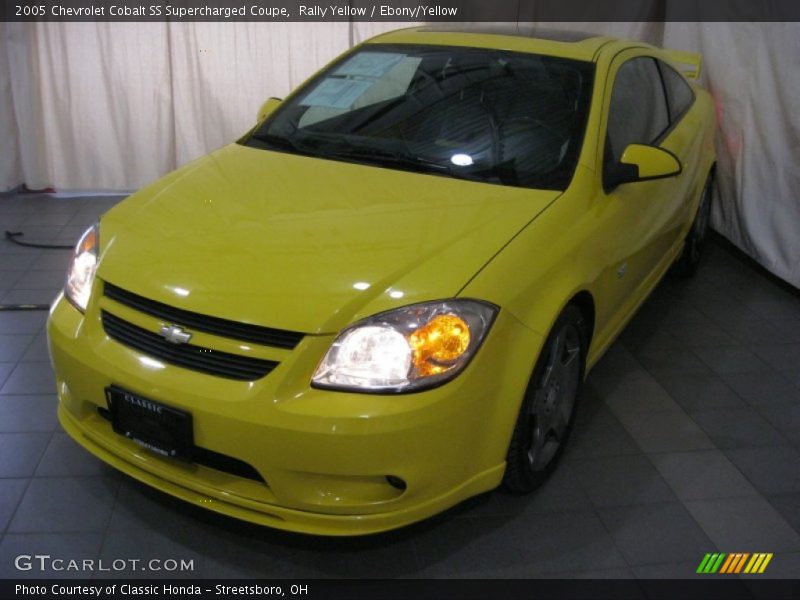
[{"x": 396, "y": 482}]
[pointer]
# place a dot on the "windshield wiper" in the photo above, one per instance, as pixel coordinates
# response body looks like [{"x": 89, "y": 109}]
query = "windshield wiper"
[
  {"x": 283, "y": 143},
  {"x": 348, "y": 149},
  {"x": 342, "y": 146},
  {"x": 383, "y": 156}
]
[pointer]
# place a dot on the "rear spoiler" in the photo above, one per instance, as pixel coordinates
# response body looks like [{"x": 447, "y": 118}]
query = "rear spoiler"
[{"x": 687, "y": 63}]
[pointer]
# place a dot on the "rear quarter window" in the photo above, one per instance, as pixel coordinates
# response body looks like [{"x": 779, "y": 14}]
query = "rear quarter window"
[{"x": 679, "y": 93}]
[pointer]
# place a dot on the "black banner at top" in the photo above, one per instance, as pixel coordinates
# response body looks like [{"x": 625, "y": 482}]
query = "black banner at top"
[{"x": 401, "y": 10}]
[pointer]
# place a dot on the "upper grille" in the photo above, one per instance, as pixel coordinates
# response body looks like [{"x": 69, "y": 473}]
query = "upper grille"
[
  {"x": 205, "y": 360},
  {"x": 231, "y": 329}
]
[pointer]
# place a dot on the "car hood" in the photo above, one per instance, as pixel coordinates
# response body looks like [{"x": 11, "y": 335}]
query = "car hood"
[{"x": 305, "y": 244}]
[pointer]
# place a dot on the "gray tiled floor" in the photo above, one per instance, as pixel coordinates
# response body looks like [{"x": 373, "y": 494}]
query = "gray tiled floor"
[{"x": 687, "y": 442}]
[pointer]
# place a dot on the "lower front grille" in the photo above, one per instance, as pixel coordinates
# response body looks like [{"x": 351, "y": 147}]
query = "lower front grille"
[
  {"x": 188, "y": 356},
  {"x": 225, "y": 463},
  {"x": 212, "y": 460}
]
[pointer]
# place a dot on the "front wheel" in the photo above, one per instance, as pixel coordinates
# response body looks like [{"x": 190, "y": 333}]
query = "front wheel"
[
  {"x": 548, "y": 409},
  {"x": 688, "y": 261}
]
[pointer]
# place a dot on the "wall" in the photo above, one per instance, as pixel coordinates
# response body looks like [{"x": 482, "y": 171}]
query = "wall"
[{"x": 112, "y": 106}]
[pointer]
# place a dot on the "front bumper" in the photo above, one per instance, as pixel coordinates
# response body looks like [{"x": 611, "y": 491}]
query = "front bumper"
[{"x": 324, "y": 455}]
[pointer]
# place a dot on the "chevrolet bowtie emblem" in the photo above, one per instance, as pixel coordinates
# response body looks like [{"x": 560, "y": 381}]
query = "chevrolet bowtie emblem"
[{"x": 174, "y": 334}]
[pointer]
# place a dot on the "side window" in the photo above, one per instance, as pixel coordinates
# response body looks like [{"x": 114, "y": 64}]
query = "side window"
[
  {"x": 638, "y": 111},
  {"x": 679, "y": 94}
]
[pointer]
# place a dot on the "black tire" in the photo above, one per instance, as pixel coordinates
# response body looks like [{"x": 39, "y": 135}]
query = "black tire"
[
  {"x": 689, "y": 260},
  {"x": 548, "y": 409}
]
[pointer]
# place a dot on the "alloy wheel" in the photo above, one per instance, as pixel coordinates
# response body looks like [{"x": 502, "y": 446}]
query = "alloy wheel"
[{"x": 554, "y": 398}]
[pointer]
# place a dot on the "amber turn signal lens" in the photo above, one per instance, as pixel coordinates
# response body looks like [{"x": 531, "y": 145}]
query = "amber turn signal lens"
[
  {"x": 438, "y": 343},
  {"x": 88, "y": 242}
]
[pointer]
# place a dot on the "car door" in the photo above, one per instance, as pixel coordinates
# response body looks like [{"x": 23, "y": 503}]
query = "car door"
[{"x": 640, "y": 217}]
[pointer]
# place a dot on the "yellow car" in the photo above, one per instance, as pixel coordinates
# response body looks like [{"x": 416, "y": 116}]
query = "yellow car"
[{"x": 384, "y": 298}]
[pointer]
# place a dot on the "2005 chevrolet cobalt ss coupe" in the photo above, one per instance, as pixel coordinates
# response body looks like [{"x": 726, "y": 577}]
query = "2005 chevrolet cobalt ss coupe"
[{"x": 384, "y": 298}]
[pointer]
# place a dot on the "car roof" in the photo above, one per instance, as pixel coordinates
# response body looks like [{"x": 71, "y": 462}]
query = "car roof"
[{"x": 506, "y": 36}]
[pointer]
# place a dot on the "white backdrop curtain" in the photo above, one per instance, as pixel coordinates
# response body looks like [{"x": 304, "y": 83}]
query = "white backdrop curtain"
[{"x": 112, "y": 106}]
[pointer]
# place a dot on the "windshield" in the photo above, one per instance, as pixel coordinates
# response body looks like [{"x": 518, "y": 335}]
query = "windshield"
[{"x": 484, "y": 115}]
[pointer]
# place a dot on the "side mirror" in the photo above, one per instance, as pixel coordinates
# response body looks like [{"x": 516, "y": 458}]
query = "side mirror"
[
  {"x": 643, "y": 163},
  {"x": 267, "y": 108}
]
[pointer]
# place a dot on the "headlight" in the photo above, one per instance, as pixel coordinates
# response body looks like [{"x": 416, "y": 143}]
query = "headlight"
[
  {"x": 80, "y": 274},
  {"x": 406, "y": 349}
]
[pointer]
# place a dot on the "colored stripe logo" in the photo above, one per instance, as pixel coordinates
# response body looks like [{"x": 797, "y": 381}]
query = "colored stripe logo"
[{"x": 733, "y": 563}]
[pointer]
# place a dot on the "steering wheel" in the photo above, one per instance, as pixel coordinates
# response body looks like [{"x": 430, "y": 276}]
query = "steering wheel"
[
  {"x": 562, "y": 138},
  {"x": 531, "y": 142}
]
